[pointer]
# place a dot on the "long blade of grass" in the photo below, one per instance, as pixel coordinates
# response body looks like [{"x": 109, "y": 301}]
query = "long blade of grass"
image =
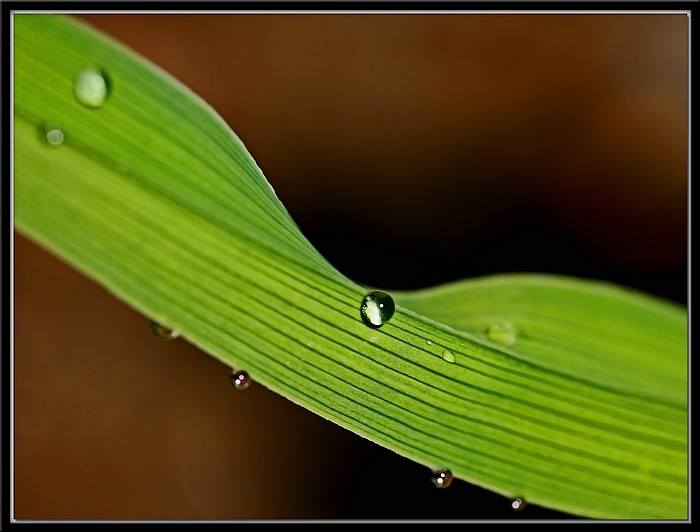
[{"x": 153, "y": 196}]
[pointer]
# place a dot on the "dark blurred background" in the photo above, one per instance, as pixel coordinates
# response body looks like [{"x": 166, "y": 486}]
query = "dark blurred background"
[{"x": 411, "y": 150}]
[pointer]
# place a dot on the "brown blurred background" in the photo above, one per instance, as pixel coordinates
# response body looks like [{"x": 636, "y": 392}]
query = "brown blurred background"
[{"x": 411, "y": 150}]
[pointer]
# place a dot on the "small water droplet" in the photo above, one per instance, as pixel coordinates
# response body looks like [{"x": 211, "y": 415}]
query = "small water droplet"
[
  {"x": 441, "y": 478},
  {"x": 448, "y": 356},
  {"x": 163, "y": 332},
  {"x": 518, "y": 504},
  {"x": 430, "y": 342},
  {"x": 53, "y": 134},
  {"x": 240, "y": 379},
  {"x": 92, "y": 87},
  {"x": 503, "y": 333},
  {"x": 377, "y": 308}
]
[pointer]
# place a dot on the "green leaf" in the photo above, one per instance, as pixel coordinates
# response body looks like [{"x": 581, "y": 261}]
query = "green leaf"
[{"x": 578, "y": 404}]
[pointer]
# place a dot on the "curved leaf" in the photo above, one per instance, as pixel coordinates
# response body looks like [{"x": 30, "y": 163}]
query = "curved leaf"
[{"x": 154, "y": 197}]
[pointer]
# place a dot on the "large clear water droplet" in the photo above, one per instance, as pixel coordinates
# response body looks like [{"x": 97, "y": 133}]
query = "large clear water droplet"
[
  {"x": 518, "y": 504},
  {"x": 503, "y": 333},
  {"x": 377, "y": 308},
  {"x": 163, "y": 332},
  {"x": 240, "y": 380},
  {"x": 441, "y": 478},
  {"x": 92, "y": 87},
  {"x": 53, "y": 134}
]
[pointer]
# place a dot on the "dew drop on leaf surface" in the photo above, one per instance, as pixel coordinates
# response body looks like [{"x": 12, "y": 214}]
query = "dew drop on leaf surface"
[
  {"x": 441, "y": 478},
  {"x": 92, "y": 87},
  {"x": 377, "y": 308},
  {"x": 448, "y": 356},
  {"x": 163, "y": 332},
  {"x": 503, "y": 333},
  {"x": 518, "y": 504},
  {"x": 53, "y": 134},
  {"x": 240, "y": 380}
]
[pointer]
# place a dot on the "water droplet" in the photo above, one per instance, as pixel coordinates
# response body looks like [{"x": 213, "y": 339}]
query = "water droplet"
[
  {"x": 441, "y": 478},
  {"x": 92, "y": 87},
  {"x": 53, "y": 134},
  {"x": 503, "y": 333},
  {"x": 430, "y": 342},
  {"x": 240, "y": 379},
  {"x": 163, "y": 332},
  {"x": 448, "y": 356},
  {"x": 518, "y": 504},
  {"x": 377, "y": 308}
]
